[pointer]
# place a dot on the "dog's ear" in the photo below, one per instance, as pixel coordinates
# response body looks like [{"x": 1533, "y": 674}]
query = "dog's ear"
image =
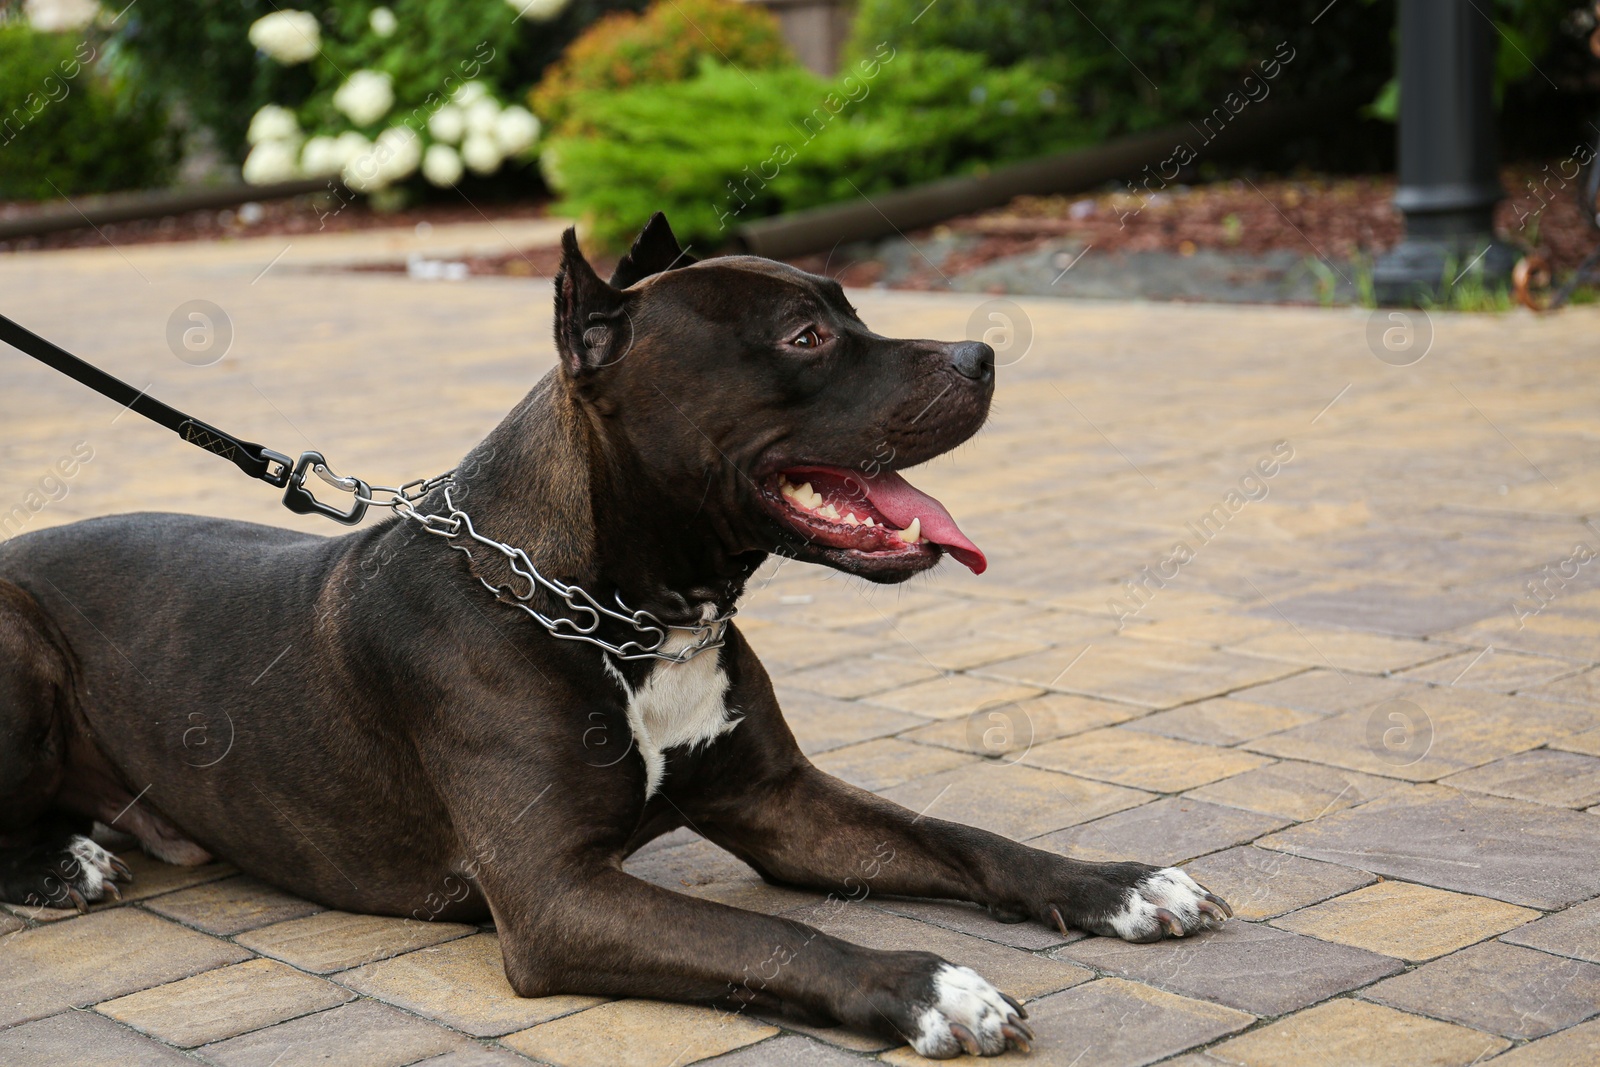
[
  {"x": 592, "y": 328},
  {"x": 654, "y": 250}
]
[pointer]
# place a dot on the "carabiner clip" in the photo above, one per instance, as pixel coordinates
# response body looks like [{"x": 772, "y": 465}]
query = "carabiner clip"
[{"x": 297, "y": 498}]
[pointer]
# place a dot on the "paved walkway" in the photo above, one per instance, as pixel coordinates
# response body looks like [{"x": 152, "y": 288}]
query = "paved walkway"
[{"x": 1318, "y": 626}]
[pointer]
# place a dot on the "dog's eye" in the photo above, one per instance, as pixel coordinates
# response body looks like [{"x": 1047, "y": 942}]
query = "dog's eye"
[{"x": 809, "y": 338}]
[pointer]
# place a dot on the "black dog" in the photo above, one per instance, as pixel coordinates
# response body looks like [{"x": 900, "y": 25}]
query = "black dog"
[{"x": 397, "y": 728}]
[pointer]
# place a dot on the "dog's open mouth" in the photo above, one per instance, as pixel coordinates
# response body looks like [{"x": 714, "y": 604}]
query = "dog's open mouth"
[{"x": 882, "y": 517}]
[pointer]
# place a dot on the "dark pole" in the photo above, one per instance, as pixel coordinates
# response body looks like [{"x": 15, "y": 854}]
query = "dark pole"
[{"x": 1449, "y": 180}]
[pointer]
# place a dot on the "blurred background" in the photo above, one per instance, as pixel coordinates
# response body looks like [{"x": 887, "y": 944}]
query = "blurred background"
[{"x": 1236, "y": 150}]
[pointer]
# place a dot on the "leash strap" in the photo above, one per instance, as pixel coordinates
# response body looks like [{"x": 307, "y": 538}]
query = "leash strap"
[{"x": 258, "y": 461}]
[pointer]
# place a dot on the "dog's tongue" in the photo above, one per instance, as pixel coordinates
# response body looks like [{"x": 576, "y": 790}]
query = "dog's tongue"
[{"x": 899, "y": 501}]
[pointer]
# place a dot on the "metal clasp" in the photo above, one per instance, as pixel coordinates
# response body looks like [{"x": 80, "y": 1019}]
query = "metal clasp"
[{"x": 297, "y": 498}]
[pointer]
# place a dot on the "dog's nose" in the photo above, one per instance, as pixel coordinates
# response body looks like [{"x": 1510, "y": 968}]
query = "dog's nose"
[{"x": 973, "y": 359}]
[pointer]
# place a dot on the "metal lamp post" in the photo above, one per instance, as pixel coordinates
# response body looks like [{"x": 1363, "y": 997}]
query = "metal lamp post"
[{"x": 1449, "y": 181}]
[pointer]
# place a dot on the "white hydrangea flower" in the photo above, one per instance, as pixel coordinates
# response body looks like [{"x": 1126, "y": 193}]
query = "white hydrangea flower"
[
  {"x": 289, "y": 37},
  {"x": 382, "y": 21},
  {"x": 393, "y": 156},
  {"x": 351, "y": 144},
  {"x": 480, "y": 153},
  {"x": 447, "y": 124},
  {"x": 538, "y": 10},
  {"x": 481, "y": 115},
  {"x": 271, "y": 161},
  {"x": 366, "y": 97},
  {"x": 441, "y": 165},
  {"x": 469, "y": 93},
  {"x": 273, "y": 123},
  {"x": 322, "y": 156},
  {"x": 515, "y": 130}
]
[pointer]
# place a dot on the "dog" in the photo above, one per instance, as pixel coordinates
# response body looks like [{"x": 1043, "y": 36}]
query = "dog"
[{"x": 487, "y": 702}]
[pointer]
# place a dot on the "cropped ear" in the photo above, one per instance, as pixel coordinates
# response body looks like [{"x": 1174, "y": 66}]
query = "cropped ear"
[
  {"x": 592, "y": 327},
  {"x": 654, "y": 250}
]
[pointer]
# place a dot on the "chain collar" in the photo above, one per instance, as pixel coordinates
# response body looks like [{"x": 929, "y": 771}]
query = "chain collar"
[{"x": 585, "y": 612}]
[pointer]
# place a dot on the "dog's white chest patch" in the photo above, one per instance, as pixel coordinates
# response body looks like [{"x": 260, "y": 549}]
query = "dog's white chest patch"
[{"x": 678, "y": 704}]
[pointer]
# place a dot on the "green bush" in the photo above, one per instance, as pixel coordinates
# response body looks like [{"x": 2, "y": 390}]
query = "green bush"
[
  {"x": 665, "y": 44},
  {"x": 760, "y": 142},
  {"x": 66, "y": 128}
]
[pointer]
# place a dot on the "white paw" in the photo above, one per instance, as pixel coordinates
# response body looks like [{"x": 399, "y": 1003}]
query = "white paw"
[
  {"x": 1164, "y": 902},
  {"x": 965, "y": 1001},
  {"x": 97, "y": 867}
]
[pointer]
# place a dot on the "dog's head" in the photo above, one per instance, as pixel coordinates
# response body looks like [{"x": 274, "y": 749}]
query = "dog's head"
[{"x": 751, "y": 391}]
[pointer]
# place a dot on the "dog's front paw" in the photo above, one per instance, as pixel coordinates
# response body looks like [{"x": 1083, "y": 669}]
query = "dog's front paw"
[
  {"x": 1161, "y": 902},
  {"x": 964, "y": 1013},
  {"x": 70, "y": 874}
]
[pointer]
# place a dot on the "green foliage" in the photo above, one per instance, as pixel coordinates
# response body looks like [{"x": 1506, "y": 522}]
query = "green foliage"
[
  {"x": 762, "y": 142},
  {"x": 65, "y": 127},
  {"x": 666, "y": 44}
]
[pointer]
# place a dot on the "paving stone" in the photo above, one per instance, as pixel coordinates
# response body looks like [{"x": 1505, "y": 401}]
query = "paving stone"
[
  {"x": 1581, "y": 688},
  {"x": 964, "y": 652},
  {"x": 224, "y": 1003},
  {"x": 971, "y": 919},
  {"x": 1165, "y": 832},
  {"x": 1260, "y": 884},
  {"x": 1550, "y": 633},
  {"x": 1143, "y": 761},
  {"x": 475, "y": 1056},
  {"x": 639, "y": 1033},
  {"x": 1542, "y": 776},
  {"x": 151, "y": 878},
  {"x": 1354, "y": 1033},
  {"x": 1528, "y": 854},
  {"x": 462, "y": 984},
  {"x": 1005, "y": 731},
  {"x": 1111, "y": 1023},
  {"x": 82, "y": 1039},
  {"x": 954, "y": 696},
  {"x": 1244, "y": 965},
  {"x": 887, "y": 762},
  {"x": 1345, "y": 650},
  {"x": 360, "y": 1034},
  {"x": 1297, "y": 790},
  {"x": 1386, "y": 608},
  {"x": 784, "y": 647},
  {"x": 1214, "y": 629},
  {"x": 1578, "y": 1046},
  {"x": 1587, "y": 743},
  {"x": 1014, "y": 801},
  {"x": 821, "y": 723},
  {"x": 1410, "y": 922},
  {"x": 1326, "y": 692},
  {"x": 1505, "y": 989},
  {"x": 786, "y": 1050},
  {"x": 1439, "y": 732},
  {"x": 335, "y": 940},
  {"x": 702, "y": 869},
  {"x": 858, "y": 676},
  {"x": 232, "y": 906},
  {"x": 1222, "y": 721},
  {"x": 90, "y": 959},
  {"x": 1574, "y": 932},
  {"x": 838, "y": 1037},
  {"x": 1137, "y": 672},
  {"x": 10, "y": 924},
  {"x": 1495, "y": 669}
]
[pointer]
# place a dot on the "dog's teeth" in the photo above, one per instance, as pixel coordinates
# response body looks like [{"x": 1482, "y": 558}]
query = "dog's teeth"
[
  {"x": 851, "y": 520},
  {"x": 912, "y": 533},
  {"x": 804, "y": 491},
  {"x": 868, "y": 521},
  {"x": 829, "y": 512}
]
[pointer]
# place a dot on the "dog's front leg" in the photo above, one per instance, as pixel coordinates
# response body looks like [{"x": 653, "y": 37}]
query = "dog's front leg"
[{"x": 594, "y": 929}]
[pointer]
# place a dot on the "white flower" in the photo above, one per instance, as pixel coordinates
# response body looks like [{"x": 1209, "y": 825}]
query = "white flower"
[
  {"x": 538, "y": 10},
  {"x": 322, "y": 156},
  {"x": 480, "y": 153},
  {"x": 366, "y": 97},
  {"x": 481, "y": 114},
  {"x": 392, "y": 157},
  {"x": 447, "y": 124},
  {"x": 273, "y": 123},
  {"x": 382, "y": 21},
  {"x": 289, "y": 37},
  {"x": 515, "y": 130},
  {"x": 469, "y": 93},
  {"x": 441, "y": 165},
  {"x": 271, "y": 161}
]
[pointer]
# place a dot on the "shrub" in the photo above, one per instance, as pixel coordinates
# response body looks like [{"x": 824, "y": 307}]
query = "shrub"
[
  {"x": 665, "y": 44},
  {"x": 66, "y": 128},
  {"x": 761, "y": 142}
]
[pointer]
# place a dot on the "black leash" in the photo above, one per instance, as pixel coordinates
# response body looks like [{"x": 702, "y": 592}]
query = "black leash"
[{"x": 258, "y": 461}]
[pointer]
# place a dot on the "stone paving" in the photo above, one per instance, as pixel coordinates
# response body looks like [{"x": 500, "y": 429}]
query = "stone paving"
[{"x": 1319, "y": 626}]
